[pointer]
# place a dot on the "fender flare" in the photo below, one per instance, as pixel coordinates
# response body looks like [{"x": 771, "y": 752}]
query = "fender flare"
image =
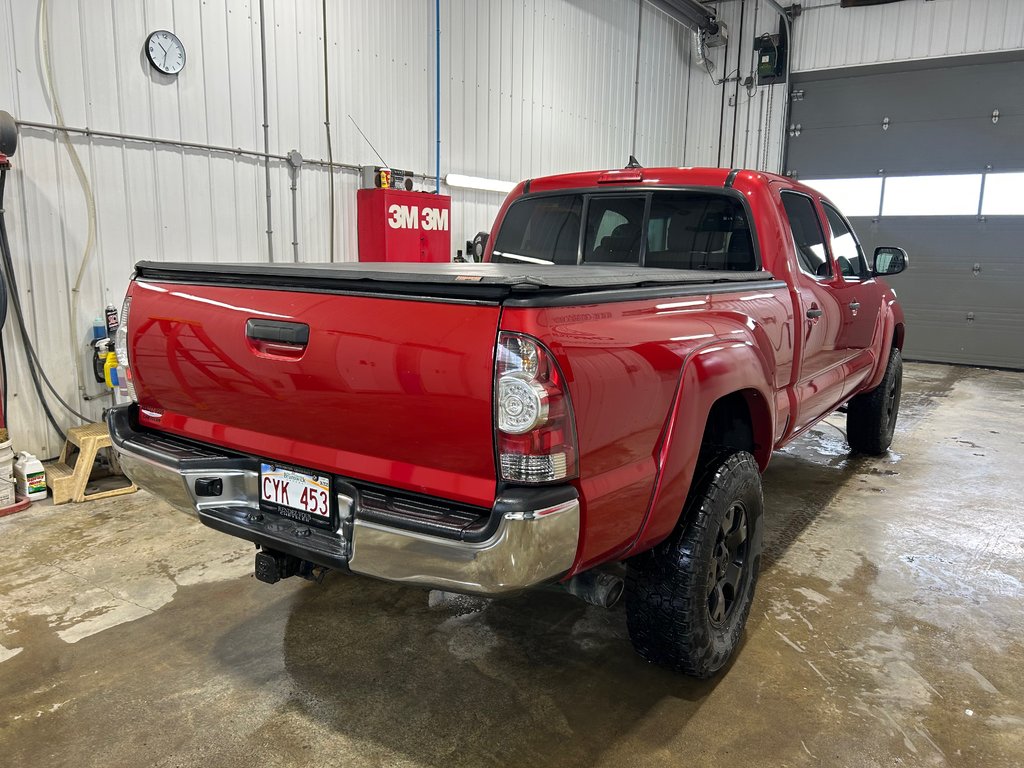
[
  {"x": 888, "y": 335},
  {"x": 710, "y": 372}
]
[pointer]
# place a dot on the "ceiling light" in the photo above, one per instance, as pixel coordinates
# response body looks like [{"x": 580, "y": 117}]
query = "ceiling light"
[{"x": 475, "y": 182}]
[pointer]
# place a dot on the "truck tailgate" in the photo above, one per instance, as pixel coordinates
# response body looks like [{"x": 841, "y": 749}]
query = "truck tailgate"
[{"x": 390, "y": 390}]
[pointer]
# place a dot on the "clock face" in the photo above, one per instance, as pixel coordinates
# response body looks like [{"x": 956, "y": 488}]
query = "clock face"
[{"x": 165, "y": 52}]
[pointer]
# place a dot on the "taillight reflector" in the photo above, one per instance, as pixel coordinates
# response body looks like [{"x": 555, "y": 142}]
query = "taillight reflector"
[{"x": 534, "y": 426}]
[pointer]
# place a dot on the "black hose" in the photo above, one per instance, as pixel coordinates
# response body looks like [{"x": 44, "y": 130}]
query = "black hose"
[
  {"x": 5, "y": 253},
  {"x": 3, "y": 371},
  {"x": 3, "y": 281},
  {"x": 3, "y": 322},
  {"x": 35, "y": 367}
]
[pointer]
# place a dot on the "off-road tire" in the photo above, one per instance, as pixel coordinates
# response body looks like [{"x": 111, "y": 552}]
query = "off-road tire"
[
  {"x": 871, "y": 416},
  {"x": 672, "y": 589}
]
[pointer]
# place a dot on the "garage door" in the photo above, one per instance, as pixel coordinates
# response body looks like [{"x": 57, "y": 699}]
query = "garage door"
[{"x": 930, "y": 158}]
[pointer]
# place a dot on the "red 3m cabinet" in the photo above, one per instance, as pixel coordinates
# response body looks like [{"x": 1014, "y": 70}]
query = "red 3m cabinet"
[{"x": 395, "y": 225}]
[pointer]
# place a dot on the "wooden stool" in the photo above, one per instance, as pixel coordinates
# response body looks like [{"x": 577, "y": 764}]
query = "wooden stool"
[{"x": 69, "y": 483}]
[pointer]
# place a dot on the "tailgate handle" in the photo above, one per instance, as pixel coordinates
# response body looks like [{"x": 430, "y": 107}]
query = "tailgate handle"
[{"x": 278, "y": 331}]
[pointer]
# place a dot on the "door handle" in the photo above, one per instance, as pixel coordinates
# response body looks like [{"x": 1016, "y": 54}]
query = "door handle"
[
  {"x": 854, "y": 305},
  {"x": 814, "y": 313},
  {"x": 278, "y": 332}
]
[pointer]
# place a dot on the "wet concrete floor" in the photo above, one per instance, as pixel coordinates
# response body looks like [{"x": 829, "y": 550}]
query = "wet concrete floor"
[{"x": 887, "y": 631}]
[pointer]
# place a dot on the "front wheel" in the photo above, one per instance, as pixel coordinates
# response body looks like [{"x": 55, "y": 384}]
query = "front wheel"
[
  {"x": 871, "y": 416},
  {"x": 687, "y": 600}
]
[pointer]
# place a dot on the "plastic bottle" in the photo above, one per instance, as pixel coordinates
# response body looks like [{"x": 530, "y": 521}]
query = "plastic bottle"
[
  {"x": 6, "y": 458},
  {"x": 6, "y": 480},
  {"x": 112, "y": 321},
  {"x": 99, "y": 328},
  {"x": 110, "y": 370},
  {"x": 30, "y": 476}
]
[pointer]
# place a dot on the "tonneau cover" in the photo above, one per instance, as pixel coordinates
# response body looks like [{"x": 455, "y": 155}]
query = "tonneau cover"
[{"x": 470, "y": 281}]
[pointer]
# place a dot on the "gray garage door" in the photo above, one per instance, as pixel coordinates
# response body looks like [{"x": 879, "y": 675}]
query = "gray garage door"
[{"x": 930, "y": 158}]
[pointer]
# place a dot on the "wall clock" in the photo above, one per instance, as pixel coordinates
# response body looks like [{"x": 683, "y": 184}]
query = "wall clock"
[{"x": 165, "y": 52}]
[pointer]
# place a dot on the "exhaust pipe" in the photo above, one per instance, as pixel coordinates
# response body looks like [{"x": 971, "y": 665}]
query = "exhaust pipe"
[{"x": 598, "y": 588}]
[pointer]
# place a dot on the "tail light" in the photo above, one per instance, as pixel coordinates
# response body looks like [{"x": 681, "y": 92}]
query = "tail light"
[
  {"x": 533, "y": 420},
  {"x": 121, "y": 348}
]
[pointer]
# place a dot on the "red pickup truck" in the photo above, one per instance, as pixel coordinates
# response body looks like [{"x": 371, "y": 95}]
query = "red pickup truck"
[{"x": 593, "y": 407}]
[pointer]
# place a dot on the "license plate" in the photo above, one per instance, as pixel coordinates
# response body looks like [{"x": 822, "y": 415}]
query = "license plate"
[{"x": 304, "y": 496}]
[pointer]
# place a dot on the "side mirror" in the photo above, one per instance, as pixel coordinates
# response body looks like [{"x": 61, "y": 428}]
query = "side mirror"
[
  {"x": 890, "y": 260},
  {"x": 479, "y": 245}
]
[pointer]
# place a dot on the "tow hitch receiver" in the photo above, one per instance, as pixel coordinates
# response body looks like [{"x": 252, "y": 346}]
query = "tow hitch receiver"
[{"x": 273, "y": 566}]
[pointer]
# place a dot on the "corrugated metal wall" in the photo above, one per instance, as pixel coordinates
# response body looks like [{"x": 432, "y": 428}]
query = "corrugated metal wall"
[
  {"x": 749, "y": 135},
  {"x": 527, "y": 88},
  {"x": 829, "y": 36}
]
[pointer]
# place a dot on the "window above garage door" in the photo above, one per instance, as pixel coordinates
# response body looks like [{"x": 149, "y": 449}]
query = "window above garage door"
[{"x": 961, "y": 194}]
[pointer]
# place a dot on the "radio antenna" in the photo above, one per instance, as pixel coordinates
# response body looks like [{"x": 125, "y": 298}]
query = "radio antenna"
[{"x": 382, "y": 160}]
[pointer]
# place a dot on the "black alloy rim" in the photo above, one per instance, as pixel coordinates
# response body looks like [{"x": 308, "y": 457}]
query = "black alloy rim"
[
  {"x": 728, "y": 564},
  {"x": 892, "y": 402},
  {"x": 892, "y": 406}
]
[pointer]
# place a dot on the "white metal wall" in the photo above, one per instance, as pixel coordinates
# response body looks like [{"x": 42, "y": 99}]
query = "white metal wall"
[
  {"x": 727, "y": 125},
  {"x": 527, "y": 88},
  {"x": 829, "y": 36}
]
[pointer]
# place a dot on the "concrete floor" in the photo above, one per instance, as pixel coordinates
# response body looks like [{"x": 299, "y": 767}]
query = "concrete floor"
[{"x": 887, "y": 630}]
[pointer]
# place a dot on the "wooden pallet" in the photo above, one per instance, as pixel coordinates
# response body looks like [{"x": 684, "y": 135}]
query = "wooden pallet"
[{"x": 69, "y": 483}]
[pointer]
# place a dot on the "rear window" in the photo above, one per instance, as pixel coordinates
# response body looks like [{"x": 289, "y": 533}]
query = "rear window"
[
  {"x": 699, "y": 231},
  {"x": 541, "y": 230},
  {"x": 614, "y": 224},
  {"x": 684, "y": 230}
]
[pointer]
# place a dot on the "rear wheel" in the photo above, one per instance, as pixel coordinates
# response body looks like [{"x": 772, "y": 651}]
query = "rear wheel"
[
  {"x": 687, "y": 600},
  {"x": 871, "y": 416}
]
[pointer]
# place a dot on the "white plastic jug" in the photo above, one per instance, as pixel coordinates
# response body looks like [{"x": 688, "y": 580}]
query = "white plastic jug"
[
  {"x": 6, "y": 459},
  {"x": 30, "y": 475}
]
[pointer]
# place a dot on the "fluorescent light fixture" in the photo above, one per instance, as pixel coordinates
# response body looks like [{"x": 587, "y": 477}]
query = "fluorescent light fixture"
[{"x": 475, "y": 182}]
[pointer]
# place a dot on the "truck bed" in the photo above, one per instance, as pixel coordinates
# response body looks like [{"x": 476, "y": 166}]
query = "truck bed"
[{"x": 480, "y": 282}]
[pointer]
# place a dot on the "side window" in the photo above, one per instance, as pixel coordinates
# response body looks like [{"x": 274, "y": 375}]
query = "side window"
[
  {"x": 845, "y": 248},
  {"x": 689, "y": 230},
  {"x": 540, "y": 230},
  {"x": 613, "y": 229},
  {"x": 810, "y": 241}
]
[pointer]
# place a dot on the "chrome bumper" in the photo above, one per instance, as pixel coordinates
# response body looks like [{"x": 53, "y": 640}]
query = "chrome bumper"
[
  {"x": 534, "y": 541},
  {"x": 175, "y": 485},
  {"x": 529, "y": 547}
]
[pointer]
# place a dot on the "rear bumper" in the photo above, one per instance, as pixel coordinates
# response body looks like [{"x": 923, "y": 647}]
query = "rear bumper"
[{"x": 531, "y": 539}]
